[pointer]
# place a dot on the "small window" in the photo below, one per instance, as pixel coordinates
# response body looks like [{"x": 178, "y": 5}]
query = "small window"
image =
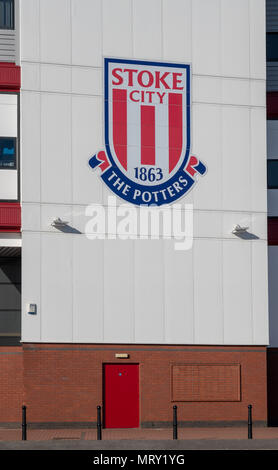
[
  {"x": 7, "y": 153},
  {"x": 10, "y": 298},
  {"x": 272, "y": 174},
  {"x": 272, "y": 47},
  {"x": 6, "y": 14}
]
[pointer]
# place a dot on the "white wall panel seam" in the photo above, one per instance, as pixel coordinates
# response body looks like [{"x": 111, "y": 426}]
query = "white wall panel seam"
[
  {"x": 221, "y": 152},
  {"x": 102, "y": 133},
  {"x": 191, "y": 132},
  {"x": 132, "y": 27},
  {"x": 193, "y": 295},
  {"x": 68, "y": 66},
  {"x": 236, "y": 211},
  {"x": 222, "y": 293},
  {"x": 224, "y": 297},
  {"x": 95, "y": 67},
  {"x": 71, "y": 41},
  {"x": 41, "y": 286},
  {"x": 164, "y": 290},
  {"x": 162, "y": 30},
  {"x": 250, "y": 173},
  {"x": 40, "y": 82},
  {"x": 148, "y": 343},
  {"x": 220, "y": 32},
  {"x": 71, "y": 174},
  {"x": 191, "y": 34},
  {"x": 251, "y": 296},
  {"x": 251, "y": 189},
  {"x": 220, "y": 43},
  {"x": 103, "y": 293},
  {"x": 133, "y": 294},
  {"x": 40, "y": 157},
  {"x": 102, "y": 113},
  {"x": 93, "y": 95},
  {"x": 222, "y": 195},
  {"x": 41, "y": 298},
  {"x": 196, "y": 211},
  {"x": 233, "y": 238},
  {"x": 97, "y": 94},
  {"x": 249, "y": 55},
  {"x": 72, "y": 293}
]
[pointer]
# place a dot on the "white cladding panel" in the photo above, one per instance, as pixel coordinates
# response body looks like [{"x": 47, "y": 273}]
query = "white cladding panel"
[
  {"x": 8, "y": 128},
  {"x": 8, "y": 184},
  {"x": 143, "y": 291}
]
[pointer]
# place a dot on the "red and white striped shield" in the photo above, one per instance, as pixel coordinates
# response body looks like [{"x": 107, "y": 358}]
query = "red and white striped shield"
[{"x": 147, "y": 119}]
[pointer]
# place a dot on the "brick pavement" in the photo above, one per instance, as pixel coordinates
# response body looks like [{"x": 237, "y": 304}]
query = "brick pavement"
[{"x": 211, "y": 433}]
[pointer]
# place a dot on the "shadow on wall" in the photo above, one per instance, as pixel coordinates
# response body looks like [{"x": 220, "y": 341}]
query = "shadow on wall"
[
  {"x": 68, "y": 229},
  {"x": 247, "y": 236}
]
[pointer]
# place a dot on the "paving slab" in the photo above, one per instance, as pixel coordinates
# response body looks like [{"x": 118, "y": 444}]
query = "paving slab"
[
  {"x": 183, "y": 445},
  {"x": 161, "y": 439}
]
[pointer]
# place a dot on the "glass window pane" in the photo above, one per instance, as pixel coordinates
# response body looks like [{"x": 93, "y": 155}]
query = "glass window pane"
[
  {"x": 10, "y": 295},
  {"x": 272, "y": 47},
  {"x": 2, "y": 15},
  {"x": 7, "y": 152},
  {"x": 272, "y": 174},
  {"x": 6, "y": 14}
]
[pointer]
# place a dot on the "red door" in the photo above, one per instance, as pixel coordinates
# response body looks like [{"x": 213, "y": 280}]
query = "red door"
[{"x": 121, "y": 395}]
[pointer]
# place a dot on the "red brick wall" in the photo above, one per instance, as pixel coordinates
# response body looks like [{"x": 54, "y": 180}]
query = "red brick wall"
[
  {"x": 11, "y": 384},
  {"x": 206, "y": 382},
  {"x": 63, "y": 383}
]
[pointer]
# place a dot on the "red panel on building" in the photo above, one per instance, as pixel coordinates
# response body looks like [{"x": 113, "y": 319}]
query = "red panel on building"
[
  {"x": 272, "y": 105},
  {"x": 121, "y": 395},
  {"x": 273, "y": 230},
  {"x": 10, "y": 217},
  {"x": 10, "y": 77}
]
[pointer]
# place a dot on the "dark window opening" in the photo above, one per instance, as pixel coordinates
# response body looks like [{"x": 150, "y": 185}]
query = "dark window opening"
[
  {"x": 272, "y": 174},
  {"x": 272, "y": 228},
  {"x": 272, "y": 47},
  {"x": 7, "y": 153},
  {"x": 10, "y": 299},
  {"x": 6, "y": 14}
]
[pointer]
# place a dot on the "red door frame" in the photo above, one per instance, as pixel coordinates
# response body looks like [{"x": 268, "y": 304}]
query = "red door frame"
[{"x": 124, "y": 364}]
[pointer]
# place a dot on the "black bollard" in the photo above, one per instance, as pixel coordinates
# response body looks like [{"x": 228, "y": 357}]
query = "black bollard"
[
  {"x": 250, "y": 424},
  {"x": 99, "y": 434},
  {"x": 24, "y": 424},
  {"x": 175, "y": 422}
]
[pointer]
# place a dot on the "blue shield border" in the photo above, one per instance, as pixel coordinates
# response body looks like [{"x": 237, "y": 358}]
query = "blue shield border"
[{"x": 181, "y": 175}]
